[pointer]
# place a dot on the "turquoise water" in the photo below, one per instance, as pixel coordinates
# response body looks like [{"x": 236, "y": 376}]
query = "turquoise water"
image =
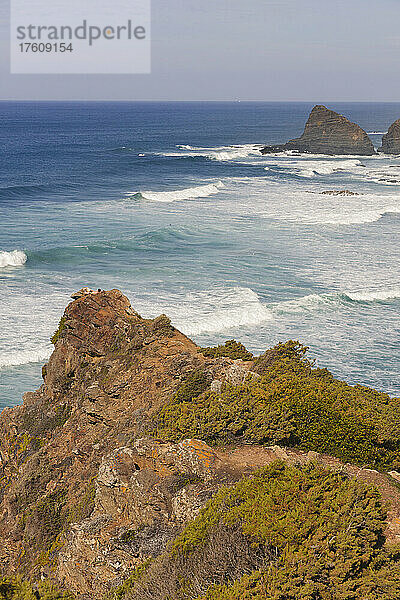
[{"x": 173, "y": 204}]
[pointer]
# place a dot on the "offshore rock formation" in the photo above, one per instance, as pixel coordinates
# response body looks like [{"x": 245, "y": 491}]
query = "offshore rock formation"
[
  {"x": 327, "y": 132},
  {"x": 87, "y": 490},
  {"x": 391, "y": 140}
]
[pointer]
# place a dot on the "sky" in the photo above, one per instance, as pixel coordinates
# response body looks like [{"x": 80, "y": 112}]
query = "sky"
[{"x": 254, "y": 50}]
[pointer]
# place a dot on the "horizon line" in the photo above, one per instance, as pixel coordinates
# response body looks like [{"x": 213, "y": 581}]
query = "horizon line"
[{"x": 109, "y": 100}]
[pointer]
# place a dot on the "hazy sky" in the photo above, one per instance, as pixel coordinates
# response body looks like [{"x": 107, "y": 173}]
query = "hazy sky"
[{"x": 312, "y": 50}]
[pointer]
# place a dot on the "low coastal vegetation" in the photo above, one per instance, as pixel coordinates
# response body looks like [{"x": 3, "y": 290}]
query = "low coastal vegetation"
[
  {"x": 286, "y": 400},
  {"x": 19, "y": 589},
  {"x": 231, "y": 349},
  {"x": 285, "y": 533}
]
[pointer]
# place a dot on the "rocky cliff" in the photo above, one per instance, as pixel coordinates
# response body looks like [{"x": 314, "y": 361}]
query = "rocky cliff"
[
  {"x": 77, "y": 479},
  {"x": 391, "y": 140},
  {"x": 327, "y": 132},
  {"x": 105, "y": 464}
]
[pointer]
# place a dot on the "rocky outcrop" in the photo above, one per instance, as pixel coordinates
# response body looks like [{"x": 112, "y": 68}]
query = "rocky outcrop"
[
  {"x": 391, "y": 140},
  {"x": 327, "y": 132},
  {"x": 87, "y": 490},
  {"x": 82, "y": 494},
  {"x": 339, "y": 193}
]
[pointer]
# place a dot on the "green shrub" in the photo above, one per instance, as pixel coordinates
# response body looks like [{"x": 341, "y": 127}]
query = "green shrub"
[
  {"x": 19, "y": 589},
  {"x": 291, "y": 350},
  {"x": 50, "y": 513},
  {"x": 231, "y": 349},
  {"x": 48, "y": 590},
  {"x": 285, "y": 533},
  {"x": 195, "y": 384},
  {"x": 43, "y": 522},
  {"x": 292, "y": 404}
]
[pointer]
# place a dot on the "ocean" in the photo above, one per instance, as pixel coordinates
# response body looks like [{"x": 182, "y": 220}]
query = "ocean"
[{"x": 173, "y": 204}]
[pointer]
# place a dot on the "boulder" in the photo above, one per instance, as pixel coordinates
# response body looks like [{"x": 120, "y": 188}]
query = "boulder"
[
  {"x": 327, "y": 132},
  {"x": 391, "y": 140}
]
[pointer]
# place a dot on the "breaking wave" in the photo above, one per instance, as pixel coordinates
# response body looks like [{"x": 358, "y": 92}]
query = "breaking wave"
[
  {"x": 375, "y": 295},
  {"x": 372, "y": 170},
  {"x": 218, "y": 153},
  {"x": 317, "y": 302},
  {"x": 350, "y": 217},
  {"x": 220, "y": 310},
  {"x": 294, "y": 202},
  {"x": 224, "y": 310},
  {"x": 201, "y": 191},
  {"x": 16, "y": 258},
  {"x": 209, "y": 311}
]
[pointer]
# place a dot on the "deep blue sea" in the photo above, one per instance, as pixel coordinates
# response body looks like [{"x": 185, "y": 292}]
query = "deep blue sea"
[{"x": 173, "y": 204}]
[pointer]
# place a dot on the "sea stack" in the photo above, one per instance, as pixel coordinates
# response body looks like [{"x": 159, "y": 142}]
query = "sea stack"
[
  {"x": 391, "y": 140},
  {"x": 327, "y": 132}
]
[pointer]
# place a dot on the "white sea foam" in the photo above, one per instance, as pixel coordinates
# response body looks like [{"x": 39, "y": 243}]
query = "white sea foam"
[
  {"x": 16, "y": 258},
  {"x": 24, "y": 357},
  {"x": 220, "y": 310},
  {"x": 218, "y": 153},
  {"x": 223, "y": 309},
  {"x": 202, "y": 191},
  {"x": 379, "y": 169},
  {"x": 209, "y": 311},
  {"x": 318, "y": 302},
  {"x": 227, "y": 309},
  {"x": 388, "y": 175},
  {"x": 372, "y": 295},
  {"x": 311, "y": 168},
  {"x": 325, "y": 302},
  {"x": 28, "y": 317},
  {"x": 299, "y": 202},
  {"x": 307, "y": 303},
  {"x": 377, "y": 132}
]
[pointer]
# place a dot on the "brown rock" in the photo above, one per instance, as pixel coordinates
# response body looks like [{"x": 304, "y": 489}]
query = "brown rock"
[
  {"x": 391, "y": 140},
  {"x": 327, "y": 132}
]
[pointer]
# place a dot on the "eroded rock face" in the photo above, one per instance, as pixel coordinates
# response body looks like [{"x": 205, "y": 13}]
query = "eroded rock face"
[
  {"x": 144, "y": 494},
  {"x": 327, "y": 132},
  {"x": 391, "y": 140}
]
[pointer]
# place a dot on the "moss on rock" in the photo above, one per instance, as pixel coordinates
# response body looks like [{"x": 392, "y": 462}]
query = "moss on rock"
[{"x": 56, "y": 335}]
